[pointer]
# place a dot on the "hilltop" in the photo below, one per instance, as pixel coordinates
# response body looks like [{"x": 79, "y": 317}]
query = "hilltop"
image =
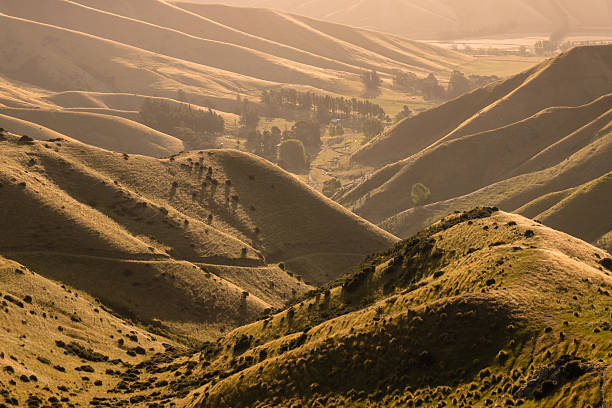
[
  {"x": 459, "y": 314},
  {"x": 158, "y": 239},
  {"x": 502, "y": 145}
]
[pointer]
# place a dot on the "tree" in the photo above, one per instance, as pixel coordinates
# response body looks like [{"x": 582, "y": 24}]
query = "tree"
[
  {"x": 420, "y": 194},
  {"x": 254, "y": 142},
  {"x": 405, "y": 81},
  {"x": 372, "y": 127},
  {"x": 196, "y": 127},
  {"x": 406, "y": 112},
  {"x": 371, "y": 82},
  {"x": 431, "y": 88},
  {"x": 458, "y": 84},
  {"x": 249, "y": 117},
  {"x": 308, "y": 132},
  {"x": 271, "y": 140},
  {"x": 292, "y": 155}
]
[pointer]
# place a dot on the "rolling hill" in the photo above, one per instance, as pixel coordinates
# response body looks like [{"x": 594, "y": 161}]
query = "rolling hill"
[
  {"x": 201, "y": 241},
  {"x": 449, "y": 19},
  {"x": 107, "y": 131},
  {"x": 502, "y": 147},
  {"x": 458, "y": 315},
  {"x": 151, "y": 49}
]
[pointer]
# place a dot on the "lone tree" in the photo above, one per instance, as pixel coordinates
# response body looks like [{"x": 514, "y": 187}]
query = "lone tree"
[
  {"x": 420, "y": 194},
  {"x": 292, "y": 155},
  {"x": 372, "y": 82},
  {"x": 406, "y": 112}
]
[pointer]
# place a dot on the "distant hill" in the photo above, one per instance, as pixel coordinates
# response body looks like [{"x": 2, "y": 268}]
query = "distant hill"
[
  {"x": 178, "y": 239},
  {"x": 448, "y": 19},
  {"x": 108, "y": 57},
  {"x": 107, "y": 131},
  {"x": 499, "y": 145}
]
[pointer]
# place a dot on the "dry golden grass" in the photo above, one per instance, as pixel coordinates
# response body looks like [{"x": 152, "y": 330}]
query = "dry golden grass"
[
  {"x": 477, "y": 20},
  {"x": 489, "y": 313},
  {"x": 40, "y": 320},
  {"x": 108, "y": 131},
  {"x": 586, "y": 162},
  {"x": 190, "y": 235},
  {"x": 477, "y": 160}
]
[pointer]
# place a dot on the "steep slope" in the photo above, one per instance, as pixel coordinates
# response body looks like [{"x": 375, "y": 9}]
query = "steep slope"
[
  {"x": 487, "y": 147},
  {"x": 60, "y": 346},
  {"x": 159, "y": 40},
  {"x": 448, "y": 19},
  {"x": 584, "y": 72},
  {"x": 485, "y": 158},
  {"x": 530, "y": 193},
  {"x": 182, "y": 230},
  {"x": 582, "y": 213},
  {"x": 101, "y": 130},
  {"x": 338, "y": 42},
  {"x": 294, "y": 52},
  {"x": 107, "y": 66},
  {"x": 458, "y": 315}
]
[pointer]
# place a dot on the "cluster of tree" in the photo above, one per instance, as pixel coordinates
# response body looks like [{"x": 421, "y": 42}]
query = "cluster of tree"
[
  {"x": 197, "y": 128},
  {"x": 264, "y": 144},
  {"x": 371, "y": 83},
  {"x": 335, "y": 130},
  {"x": 285, "y": 102},
  {"x": 431, "y": 88},
  {"x": 269, "y": 143},
  {"x": 406, "y": 112},
  {"x": 371, "y": 127},
  {"x": 545, "y": 47},
  {"x": 249, "y": 116}
]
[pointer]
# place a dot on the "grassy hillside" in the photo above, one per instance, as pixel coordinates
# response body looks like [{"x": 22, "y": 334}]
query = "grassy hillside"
[
  {"x": 530, "y": 193},
  {"x": 585, "y": 73},
  {"x": 338, "y": 42},
  {"x": 102, "y": 130},
  {"x": 446, "y": 19},
  {"x": 579, "y": 214},
  {"x": 485, "y": 158},
  {"x": 490, "y": 147},
  {"x": 59, "y": 345},
  {"x": 458, "y": 315},
  {"x": 178, "y": 239}
]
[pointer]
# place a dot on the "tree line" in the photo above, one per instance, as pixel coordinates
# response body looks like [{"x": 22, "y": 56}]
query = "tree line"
[
  {"x": 431, "y": 88},
  {"x": 196, "y": 127},
  {"x": 285, "y": 102}
]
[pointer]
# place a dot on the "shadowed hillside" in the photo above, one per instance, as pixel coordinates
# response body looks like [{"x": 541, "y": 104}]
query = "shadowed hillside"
[
  {"x": 96, "y": 129},
  {"x": 497, "y": 146},
  {"x": 574, "y": 78},
  {"x": 132, "y": 230},
  {"x": 458, "y": 315},
  {"x": 447, "y": 19}
]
